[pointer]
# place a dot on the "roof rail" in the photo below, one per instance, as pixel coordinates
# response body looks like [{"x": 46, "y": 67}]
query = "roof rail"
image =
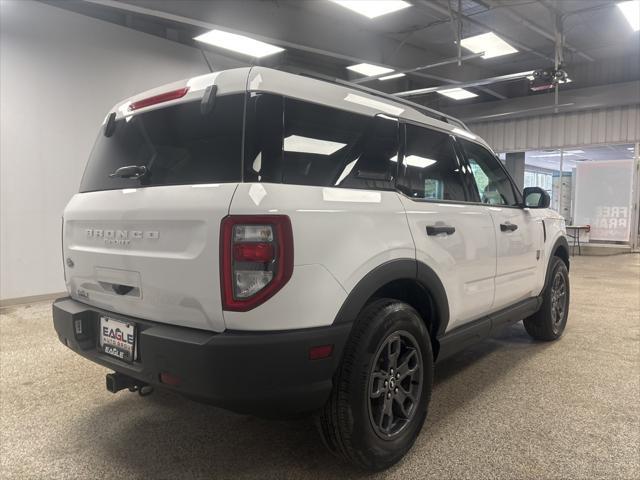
[{"x": 421, "y": 108}]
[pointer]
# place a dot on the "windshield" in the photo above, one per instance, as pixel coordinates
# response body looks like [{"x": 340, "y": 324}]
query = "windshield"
[{"x": 178, "y": 145}]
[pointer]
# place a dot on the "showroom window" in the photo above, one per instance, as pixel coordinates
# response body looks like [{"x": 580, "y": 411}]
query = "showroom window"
[
  {"x": 492, "y": 183},
  {"x": 301, "y": 143},
  {"x": 430, "y": 168},
  {"x": 543, "y": 180},
  {"x": 589, "y": 186},
  {"x": 177, "y": 144}
]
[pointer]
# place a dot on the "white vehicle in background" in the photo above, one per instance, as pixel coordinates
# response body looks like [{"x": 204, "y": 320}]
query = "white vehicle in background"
[{"x": 279, "y": 245}]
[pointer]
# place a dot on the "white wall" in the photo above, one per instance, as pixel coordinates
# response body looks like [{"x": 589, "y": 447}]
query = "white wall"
[{"x": 59, "y": 74}]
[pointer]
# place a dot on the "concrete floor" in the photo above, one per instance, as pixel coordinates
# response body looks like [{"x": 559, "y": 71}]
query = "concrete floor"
[{"x": 507, "y": 408}]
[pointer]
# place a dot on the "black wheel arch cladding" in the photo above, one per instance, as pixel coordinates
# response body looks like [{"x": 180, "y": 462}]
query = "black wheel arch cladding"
[
  {"x": 392, "y": 271},
  {"x": 560, "y": 249}
]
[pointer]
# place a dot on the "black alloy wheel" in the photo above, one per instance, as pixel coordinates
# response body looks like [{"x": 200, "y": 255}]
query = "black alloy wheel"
[{"x": 395, "y": 384}]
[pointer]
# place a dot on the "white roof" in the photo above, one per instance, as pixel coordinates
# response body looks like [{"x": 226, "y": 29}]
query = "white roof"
[{"x": 261, "y": 79}]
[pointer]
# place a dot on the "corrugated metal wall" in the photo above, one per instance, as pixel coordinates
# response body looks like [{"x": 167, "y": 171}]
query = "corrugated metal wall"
[{"x": 573, "y": 129}]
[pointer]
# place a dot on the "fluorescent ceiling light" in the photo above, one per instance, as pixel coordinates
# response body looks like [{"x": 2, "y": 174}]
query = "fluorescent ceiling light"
[
  {"x": 457, "y": 93},
  {"x": 489, "y": 43},
  {"x": 373, "y": 8},
  {"x": 419, "y": 162},
  {"x": 238, "y": 43},
  {"x": 557, "y": 154},
  {"x": 631, "y": 11},
  {"x": 415, "y": 161},
  {"x": 389, "y": 77},
  {"x": 297, "y": 143},
  {"x": 346, "y": 171},
  {"x": 369, "y": 70}
]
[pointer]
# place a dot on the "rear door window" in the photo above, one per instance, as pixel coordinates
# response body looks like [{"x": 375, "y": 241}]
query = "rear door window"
[
  {"x": 430, "y": 168},
  {"x": 301, "y": 143},
  {"x": 177, "y": 144}
]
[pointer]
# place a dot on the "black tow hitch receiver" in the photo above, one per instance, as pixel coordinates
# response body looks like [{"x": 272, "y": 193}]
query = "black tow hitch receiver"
[{"x": 118, "y": 381}]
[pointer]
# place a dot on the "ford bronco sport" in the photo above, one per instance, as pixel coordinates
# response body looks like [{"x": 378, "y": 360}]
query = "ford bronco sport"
[{"x": 279, "y": 245}]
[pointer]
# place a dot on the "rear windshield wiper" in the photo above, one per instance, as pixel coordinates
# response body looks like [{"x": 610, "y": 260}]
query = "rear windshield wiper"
[{"x": 130, "y": 171}]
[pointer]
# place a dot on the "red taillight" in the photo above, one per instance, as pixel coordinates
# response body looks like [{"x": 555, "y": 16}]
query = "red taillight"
[
  {"x": 163, "y": 97},
  {"x": 256, "y": 259},
  {"x": 253, "y": 252}
]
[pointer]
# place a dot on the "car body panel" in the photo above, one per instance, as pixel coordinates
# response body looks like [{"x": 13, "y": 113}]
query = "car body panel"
[
  {"x": 519, "y": 254},
  {"x": 465, "y": 261},
  {"x": 344, "y": 233},
  {"x": 162, "y": 241}
]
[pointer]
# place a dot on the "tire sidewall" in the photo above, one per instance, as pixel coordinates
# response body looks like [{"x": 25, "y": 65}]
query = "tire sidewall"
[
  {"x": 558, "y": 267},
  {"x": 390, "y": 318}
]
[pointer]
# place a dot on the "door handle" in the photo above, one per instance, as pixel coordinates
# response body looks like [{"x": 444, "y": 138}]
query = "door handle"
[
  {"x": 508, "y": 227},
  {"x": 438, "y": 229}
]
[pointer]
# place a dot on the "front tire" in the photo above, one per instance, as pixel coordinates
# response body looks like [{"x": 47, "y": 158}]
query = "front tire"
[
  {"x": 381, "y": 389},
  {"x": 549, "y": 322}
]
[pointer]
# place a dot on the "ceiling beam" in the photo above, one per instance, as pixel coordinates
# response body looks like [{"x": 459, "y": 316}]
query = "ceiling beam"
[
  {"x": 515, "y": 16},
  {"x": 473, "y": 83},
  {"x": 556, "y": 10},
  {"x": 552, "y": 7},
  {"x": 597, "y": 97},
  {"x": 159, "y": 14},
  {"x": 423, "y": 67},
  {"x": 432, "y": 5}
]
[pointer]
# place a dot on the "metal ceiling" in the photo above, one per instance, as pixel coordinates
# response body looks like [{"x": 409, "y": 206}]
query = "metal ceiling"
[{"x": 600, "y": 48}]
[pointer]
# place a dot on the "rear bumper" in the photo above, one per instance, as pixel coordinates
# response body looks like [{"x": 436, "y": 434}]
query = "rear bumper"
[{"x": 262, "y": 373}]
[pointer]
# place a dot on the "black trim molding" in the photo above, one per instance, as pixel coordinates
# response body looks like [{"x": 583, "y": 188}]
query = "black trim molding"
[
  {"x": 401, "y": 269},
  {"x": 470, "y": 333}
]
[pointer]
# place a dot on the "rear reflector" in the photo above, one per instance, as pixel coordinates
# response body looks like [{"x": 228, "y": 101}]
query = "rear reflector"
[
  {"x": 169, "y": 379},
  {"x": 163, "y": 97},
  {"x": 321, "y": 351}
]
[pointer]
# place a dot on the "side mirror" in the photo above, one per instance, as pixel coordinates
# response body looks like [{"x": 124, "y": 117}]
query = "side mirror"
[{"x": 536, "y": 197}]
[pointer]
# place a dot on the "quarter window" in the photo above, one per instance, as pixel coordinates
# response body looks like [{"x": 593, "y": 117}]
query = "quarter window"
[
  {"x": 300, "y": 143},
  {"x": 492, "y": 184},
  {"x": 430, "y": 167}
]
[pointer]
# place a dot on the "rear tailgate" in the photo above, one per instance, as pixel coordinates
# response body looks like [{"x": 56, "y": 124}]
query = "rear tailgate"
[
  {"x": 142, "y": 236},
  {"x": 151, "y": 253}
]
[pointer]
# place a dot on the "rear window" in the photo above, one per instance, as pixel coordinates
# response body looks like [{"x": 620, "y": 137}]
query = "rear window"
[
  {"x": 177, "y": 145},
  {"x": 301, "y": 143}
]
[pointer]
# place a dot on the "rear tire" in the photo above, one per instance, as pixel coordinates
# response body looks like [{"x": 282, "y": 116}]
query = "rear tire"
[
  {"x": 549, "y": 322},
  {"x": 373, "y": 416}
]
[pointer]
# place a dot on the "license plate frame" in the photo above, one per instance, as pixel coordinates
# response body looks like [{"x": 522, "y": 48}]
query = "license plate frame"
[{"x": 118, "y": 338}]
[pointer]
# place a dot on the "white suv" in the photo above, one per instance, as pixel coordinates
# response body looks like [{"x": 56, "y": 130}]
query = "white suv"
[{"x": 279, "y": 245}]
